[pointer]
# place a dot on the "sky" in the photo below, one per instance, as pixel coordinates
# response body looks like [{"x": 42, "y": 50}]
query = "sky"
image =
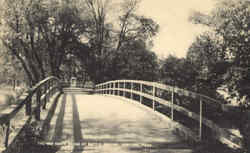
[{"x": 176, "y": 32}]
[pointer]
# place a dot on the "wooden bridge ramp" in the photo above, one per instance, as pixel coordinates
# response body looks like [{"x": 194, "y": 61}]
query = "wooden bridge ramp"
[{"x": 101, "y": 124}]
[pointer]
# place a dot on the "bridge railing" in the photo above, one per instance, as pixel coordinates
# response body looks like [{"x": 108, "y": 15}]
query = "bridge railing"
[
  {"x": 193, "y": 110},
  {"x": 36, "y": 99}
]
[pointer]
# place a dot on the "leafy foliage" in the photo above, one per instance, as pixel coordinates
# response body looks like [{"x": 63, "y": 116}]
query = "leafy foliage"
[
  {"x": 178, "y": 72},
  {"x": 230, "y": 24},
  {"x": 47, "y": 37}
]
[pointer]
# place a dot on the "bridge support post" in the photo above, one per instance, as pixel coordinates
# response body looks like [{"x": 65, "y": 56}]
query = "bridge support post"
[
  {"x": 105, "y": 89},
  {"x": 49, "y": 89},
  {"x": 6, "y": 143},
  {"x": 131, "y": 91},
  {"x": 45, "y": 96},
  {"x": 114, "y": 86},
  {"x": 141, "y": 93},
  {"x": 101, "y": 89},
  {"x": 28, "y": 108},
  {"x": 172, "y": 104},
  {"x": 124, "y": 89},
  {"x": 109, "y": 89},
  {"x": 118, "y": 91},
  {"x": 38, "y": 106},
  {"x": 153, "y": 96},
  {"x": 200, "y": 131}
]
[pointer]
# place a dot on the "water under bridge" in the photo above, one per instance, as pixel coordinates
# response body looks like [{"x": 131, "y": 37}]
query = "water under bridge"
[{"x": 122, "y": 116}]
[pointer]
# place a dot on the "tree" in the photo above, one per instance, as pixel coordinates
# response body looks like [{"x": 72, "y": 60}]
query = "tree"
[
  {"x": 178, "y": 72},
  {"x": 40, "y": 34},
  {"x": 207, "y": 57},
  {"x": 11, "y": 71},
  {"x": 230, "y": 21},
  {"x": 107, "y": 37},
  {"x": 134, "y": 61}
]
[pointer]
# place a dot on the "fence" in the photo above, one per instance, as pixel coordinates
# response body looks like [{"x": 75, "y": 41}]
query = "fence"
[
  {"x": 37, "y": 98},
  {"x": 195, "y": 111}
]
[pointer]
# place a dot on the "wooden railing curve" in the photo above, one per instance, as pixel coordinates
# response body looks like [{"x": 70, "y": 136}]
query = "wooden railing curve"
[
  {"x": 43, "y": 91},
  {"x": 128, "y": 86}
]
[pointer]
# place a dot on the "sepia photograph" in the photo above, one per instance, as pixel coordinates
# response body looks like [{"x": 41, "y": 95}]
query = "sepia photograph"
[{"x": 124, "y": 76}]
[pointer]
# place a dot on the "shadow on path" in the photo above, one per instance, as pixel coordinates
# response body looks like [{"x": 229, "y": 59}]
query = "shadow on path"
[
  {"x": 76, "y": 126},
  {"x": 59, "y": 122},
  {"x": 47, "y": 121}
]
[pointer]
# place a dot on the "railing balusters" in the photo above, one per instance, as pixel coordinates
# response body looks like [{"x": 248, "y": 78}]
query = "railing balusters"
[
  {"x": 172, "y": 104},
  {"x": 124, "y": 93},
  {"x": 108, "y": 89},
  {"x": 114, "y": 88},
  {"x": 38, "y": 107},
  {"x": 118, "y": 89},
  {"x": 172, "y": 101},
  {"x": 200, "y": 131},
  {"x": 141, "y": 92},
  {"x": 6, "y": 143},
  {"x": 131, "y": 90},
  {"x": 45, "y": 96},
  {"x": 34, "y": 94},
  {"x": 153, "y": 96},
  {"x": 28, "y": 108}
]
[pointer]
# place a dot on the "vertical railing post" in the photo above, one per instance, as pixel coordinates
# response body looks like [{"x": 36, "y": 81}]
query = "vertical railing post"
[
  {"x": 109, "y": 88},
  {"x": 49, "y": 89},
  {"x": 6, "y": 143},
  {"x": 141, "y": 93},
  {"x": 172, "y": 104},
  {"x": 38, "y": 106},
  {"x": 104, "y": 87},
  {"x": 118, "y": 91},
  {"x": 200, "y": 131},
  {"x": 45, "y": 95},
  {"x": 124, "y": 93},
  {"x": 131, "y": 90},
  {"x": 52, "y": 85},
  {"x": 114, "y": 88},
  {"x": 28, "y": 108},
  {"x": 154, "y": 96}
]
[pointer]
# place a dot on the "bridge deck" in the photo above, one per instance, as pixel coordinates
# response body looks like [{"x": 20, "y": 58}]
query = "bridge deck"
[{"x": 93, "y": 123}]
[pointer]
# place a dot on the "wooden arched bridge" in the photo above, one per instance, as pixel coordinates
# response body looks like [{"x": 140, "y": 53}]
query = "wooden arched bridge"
[{"x": 116, "y": 116}]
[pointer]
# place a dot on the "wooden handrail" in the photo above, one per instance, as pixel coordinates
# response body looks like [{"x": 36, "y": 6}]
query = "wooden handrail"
[
  {"x": 5, "y": 119},
  {"x": 105, "y": 88}
]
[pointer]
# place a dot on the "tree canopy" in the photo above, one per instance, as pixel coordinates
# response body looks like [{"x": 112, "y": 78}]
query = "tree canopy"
[
  {"x": 228, "y": 42},
  {"x": 47, "y": 36}
]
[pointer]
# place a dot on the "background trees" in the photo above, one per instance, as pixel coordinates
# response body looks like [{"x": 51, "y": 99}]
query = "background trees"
[
  {"x": 178, "y": 72},
  {"x": 230, "y": 23},
  {"x": 48, "y": 36}
]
